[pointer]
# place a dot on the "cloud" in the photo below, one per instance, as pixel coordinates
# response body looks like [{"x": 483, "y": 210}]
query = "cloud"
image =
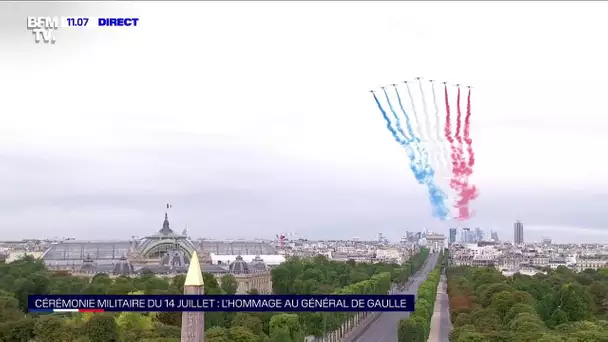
[{"x": 252, "y": 130}]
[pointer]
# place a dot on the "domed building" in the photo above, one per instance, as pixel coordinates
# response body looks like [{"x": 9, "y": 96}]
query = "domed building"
[
  {"x": 168, "y": 253},
  {"x": 239, "y": 266},
  {"x": 250, "y": 276},
  {"x": 258, "y": 264},
  {"x": 123, "y": 267},
  {"x": 88, "y": 266},
  {"x": 149, "y": 251},
  {"x": 176, "y": 260},
  {"x": 165, "y": 241}
]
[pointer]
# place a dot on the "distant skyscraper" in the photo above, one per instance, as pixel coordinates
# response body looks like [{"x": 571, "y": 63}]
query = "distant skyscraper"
[
  {"x": 380, "y": 238},
  {"x": 452, "y": 236},
  {"x": 495, "y": 236},
  {"x": 518, "y": 233},
  {"x": 471, "y": 236},
  {"x": 478, "y": 234},
  {"x": 193, "y": 323},
  {"x": 465, "y": 235}
]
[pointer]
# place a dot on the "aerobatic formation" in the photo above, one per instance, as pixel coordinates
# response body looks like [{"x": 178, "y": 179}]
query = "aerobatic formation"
[{"x": 433, "y": 157}]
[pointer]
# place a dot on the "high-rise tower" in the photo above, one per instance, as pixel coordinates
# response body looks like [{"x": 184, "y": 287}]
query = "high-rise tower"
[
  {"x": 494, "y": 236},
  {"x": 453, "y": 232},
  {"x": 193, "y": 323},
  {"x": 518, "y": 233}
]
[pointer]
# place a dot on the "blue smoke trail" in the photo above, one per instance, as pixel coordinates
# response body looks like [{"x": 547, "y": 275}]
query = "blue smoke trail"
[
  {"x": 402, "y": 141},
  {"x": 421, "y": 151},
  {"x": 407, "y": 117},
  {"x": 424, "y": 174},
  {"x": 397, "y": 120},
  {"x": 424, "y": 169}
]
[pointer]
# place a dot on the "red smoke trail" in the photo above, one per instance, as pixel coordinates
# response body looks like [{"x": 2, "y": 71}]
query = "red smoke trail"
[
  {"x": 448, "y": 134},
  {"x": 467, "y": 192},
  {"x": 467, "y": 130},
  {"x": 461, "y": 163},
  {"x": 460, "y": 168},
  {"x": 458, "y": 117}
]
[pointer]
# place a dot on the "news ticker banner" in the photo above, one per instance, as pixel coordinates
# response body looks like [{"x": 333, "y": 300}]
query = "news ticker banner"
[
  {"x": 226, "y": 303},
  {"x": 44, "y": 28}
]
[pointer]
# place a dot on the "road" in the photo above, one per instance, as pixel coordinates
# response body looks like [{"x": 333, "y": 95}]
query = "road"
[
  {"x": 384, "y": 329},
  {"x": 441, "y": 326}
]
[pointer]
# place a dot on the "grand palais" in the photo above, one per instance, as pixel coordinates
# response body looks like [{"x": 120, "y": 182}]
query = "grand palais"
[{"x": 168, "y": 253}]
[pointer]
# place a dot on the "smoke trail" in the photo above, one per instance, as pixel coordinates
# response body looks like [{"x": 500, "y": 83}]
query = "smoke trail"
[
  {"x": 425, "y": 158},
  {"x": 425, "y": 111},
  {"x": 424, "y": 175},
  {"x": 409, "y": 92},
  {"x": 424, "y": 172},
  {"x": 458, "y": 117},
  {"x": 443, "y": 148},
  {"x": 460, "y": 181},
  {"x": 414, "y": 139},
  {"x": 461, "y": 163},
  {"x": 467, "y": 131},
  {"x": 456, "y": 181},
  {"x": 397, "y": 120},
  {"x": 388, "y": 122},
  {"x": 401, "y": 140},
  {"x": 419, "y": 169},
  {"x": 407, "y": 117},
  {"x": 468, "y": 192},
  {"x": 432, "y": 145},
  {"x": 448, "y": 134}
]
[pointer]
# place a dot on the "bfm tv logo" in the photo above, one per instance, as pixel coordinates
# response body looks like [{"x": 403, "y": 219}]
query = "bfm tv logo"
[{"x": 43, "y": 28}]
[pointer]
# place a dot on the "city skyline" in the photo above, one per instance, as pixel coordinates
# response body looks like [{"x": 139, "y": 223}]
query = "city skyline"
[
  {"x": 538, "y": 235},
  {"x": 275, "y": 132}
]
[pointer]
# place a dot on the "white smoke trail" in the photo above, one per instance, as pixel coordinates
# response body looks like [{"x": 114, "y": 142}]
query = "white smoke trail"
[
  {"x": 445, "y": 153},
  {"x": 417, "y": 128},
  {"x": 409, "y": 93},
  {"x": 432, "y": 143},
  {"x": 425, "y": 111}
]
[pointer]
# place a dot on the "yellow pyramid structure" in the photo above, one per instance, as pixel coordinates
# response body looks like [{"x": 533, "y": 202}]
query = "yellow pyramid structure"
[{"x": 194, "y": 277}]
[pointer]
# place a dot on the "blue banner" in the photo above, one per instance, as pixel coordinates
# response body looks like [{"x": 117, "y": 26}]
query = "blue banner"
[{"x": 227, "y": 303}]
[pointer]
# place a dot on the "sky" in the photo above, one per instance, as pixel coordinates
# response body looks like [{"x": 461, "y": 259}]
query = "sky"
[{"x": 254, "y": 119}]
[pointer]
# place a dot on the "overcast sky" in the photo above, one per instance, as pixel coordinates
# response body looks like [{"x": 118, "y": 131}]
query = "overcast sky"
[{"x": 254, "y": 119}]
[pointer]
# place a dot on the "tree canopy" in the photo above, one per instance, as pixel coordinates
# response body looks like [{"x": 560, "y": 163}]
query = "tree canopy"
[
  {"x": 296, "y": 276},
  {"x": 558, "y": 306}
]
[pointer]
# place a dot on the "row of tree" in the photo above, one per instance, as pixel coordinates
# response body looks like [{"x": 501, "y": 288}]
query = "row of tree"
[
  {"x": 296, "y": 276},
  {"x": 555, "y": 306},
  {"x": 325, "y": 277},
  {"x": 379, "y": 283},
  {"x": 417, "y": 327}
]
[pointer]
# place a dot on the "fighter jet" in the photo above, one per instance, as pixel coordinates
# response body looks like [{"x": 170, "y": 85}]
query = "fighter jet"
[
  {"x": 371, "y": 91},
  {"x": 469, "y": 87},
  {"x": 458, "y": 85},
  {"x": 445, "y": 82},
  {"x": 418, "y": 78},
  {"x": 405, "y": 81},
  {"x": 394, "y": 85},
  {"x": 431, "y": 81}
]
